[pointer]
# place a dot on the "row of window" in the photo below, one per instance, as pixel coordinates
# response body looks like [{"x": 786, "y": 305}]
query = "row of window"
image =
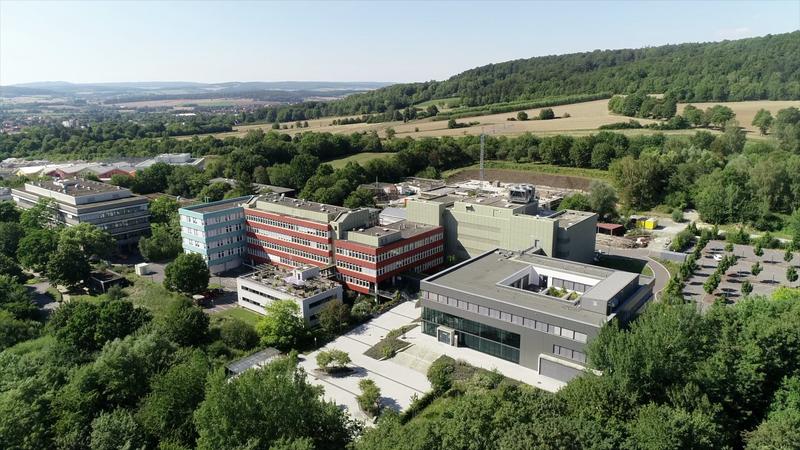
[
  {"x": 410, "y": 260},
  {"x": 353, "y": 280},
  {"x": 228, "y": 252},
  {"x": 192, "y": 243},
  {"x": 429, "y": 265},
  {"x": 350, "y": 266},
  {"x": 569, "y": 354},
  {"x": 538, "y": 325},
  {"x": 259, "y": 293},
  {"x": 115, "y": 212},
  {"x": 289, "y": 226},
  {"x": 288, "y": 238},
  {"x": 123, "y": 223},
  {"x": 193, "y": 231},
  {"x": 321, "y": 301},
  {"x": 225, "y": 241},
  {"x": 238, "y": 215},
  {"x": 355, "y": 254},
  {"x": 410, "y": 246},
  {"x": 289, "y": 250},
  {"x": 226, "y": 229}
]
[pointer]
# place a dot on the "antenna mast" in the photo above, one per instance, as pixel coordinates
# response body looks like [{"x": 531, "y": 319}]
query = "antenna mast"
[{"x": 482, "y": 156}]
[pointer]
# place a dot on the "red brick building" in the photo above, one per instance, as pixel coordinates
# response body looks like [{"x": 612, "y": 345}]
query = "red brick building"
[
  {"x": 369, "y": 257},
  {"x": 340, "y": 241}
]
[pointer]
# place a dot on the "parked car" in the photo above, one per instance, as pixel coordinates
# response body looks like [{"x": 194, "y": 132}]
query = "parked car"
[{"x": 717, "y": 257}]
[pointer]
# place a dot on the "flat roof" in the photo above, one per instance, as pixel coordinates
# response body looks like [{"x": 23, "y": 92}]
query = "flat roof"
[
  {"x": 302, "y": 204},
  {"x": 278, "y": 279},
  {"x": 481, "y": 276},
  {"x": 406, "y": 228},
  {"x": 491, "y": 200},
  {"x": 569, "y": 217},
  {"x": 76, "y": 187},
  {"x": 219, "y": 205}
]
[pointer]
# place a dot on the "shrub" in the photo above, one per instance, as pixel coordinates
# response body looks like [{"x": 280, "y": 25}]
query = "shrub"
[
  {"x": 333, "y": 360},
  {"x": 239, "y": 335},
  {"x": 677, "y": 215},
  {"x": 440, "y": 374},
  {"x": 370, "y": 398},
  {"x": 682, "y": 240},
  {"x": 522, "y": 115},
  {"x": 738, "y": 237},
  {"x": 546, "y": 114}
]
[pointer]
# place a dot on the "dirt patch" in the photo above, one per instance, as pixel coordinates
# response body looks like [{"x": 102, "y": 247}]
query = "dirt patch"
[{"x": 524, "y": 176}]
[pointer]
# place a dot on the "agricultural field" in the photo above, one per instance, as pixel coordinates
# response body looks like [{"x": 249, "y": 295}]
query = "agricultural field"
[
  {"x": 746, "y": 111},
  {"x": 585, "y": 118}
]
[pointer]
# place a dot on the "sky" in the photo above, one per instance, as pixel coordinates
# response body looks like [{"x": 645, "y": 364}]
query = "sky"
[{"x": 209, "y": 41}]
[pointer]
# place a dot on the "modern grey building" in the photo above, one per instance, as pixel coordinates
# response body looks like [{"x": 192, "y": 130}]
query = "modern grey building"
[
  {"x": 111, "y": 208},
  {"x": 529, "y": 309},
  {"x": 480, "y": 222}
]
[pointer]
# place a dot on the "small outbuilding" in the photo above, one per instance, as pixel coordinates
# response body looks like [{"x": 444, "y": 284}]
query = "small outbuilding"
[{"x": 611, "y": 229}]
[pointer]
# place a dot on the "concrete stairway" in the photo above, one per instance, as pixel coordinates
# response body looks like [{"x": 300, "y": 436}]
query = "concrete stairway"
[{"x": 417, "y": 357}]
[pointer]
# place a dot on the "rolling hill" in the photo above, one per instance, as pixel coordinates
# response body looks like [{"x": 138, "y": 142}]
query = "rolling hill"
[{"x": 759, "y": 68}]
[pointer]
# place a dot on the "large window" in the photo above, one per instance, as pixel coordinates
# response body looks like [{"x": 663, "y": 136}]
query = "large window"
[{"x": 477, "y": 336}]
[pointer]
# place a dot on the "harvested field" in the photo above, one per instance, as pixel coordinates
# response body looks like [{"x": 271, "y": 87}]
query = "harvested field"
[
  {"x": 746, "y": 111},
  {"x": 584, "y": 119}
]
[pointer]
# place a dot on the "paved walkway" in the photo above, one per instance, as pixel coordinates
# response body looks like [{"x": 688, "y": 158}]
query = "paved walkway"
[
  {"x": 398, "y": 384},
  {"x": 659, "y": 271}
]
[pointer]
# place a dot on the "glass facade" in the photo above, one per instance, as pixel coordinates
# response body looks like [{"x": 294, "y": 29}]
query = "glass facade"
[{"x": 477, "y": 336}]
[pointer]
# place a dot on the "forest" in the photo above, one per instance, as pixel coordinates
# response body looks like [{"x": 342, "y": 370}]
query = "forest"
[{"x": 748, "y": 69}]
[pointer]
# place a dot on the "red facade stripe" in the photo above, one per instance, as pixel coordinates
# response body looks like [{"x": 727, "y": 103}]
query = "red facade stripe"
[
  {"x": 263, "y": 226},
  {"x": 293, "y": 245}
]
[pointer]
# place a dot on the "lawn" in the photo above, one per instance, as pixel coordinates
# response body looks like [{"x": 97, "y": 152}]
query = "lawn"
[
  {"x": 360, "y": 158},
  {"x": 439, "y": 102},
  {"x": 153, "y": 296},
  {"x": 627, "y": 264},
  {"x": 246, "y": 316}
]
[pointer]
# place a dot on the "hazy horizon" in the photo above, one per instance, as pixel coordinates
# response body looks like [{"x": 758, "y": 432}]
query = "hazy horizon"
[{"x": 208, "y": 42}]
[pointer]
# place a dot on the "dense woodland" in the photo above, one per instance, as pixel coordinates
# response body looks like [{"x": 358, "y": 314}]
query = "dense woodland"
[{"x": 748, "y": 69}]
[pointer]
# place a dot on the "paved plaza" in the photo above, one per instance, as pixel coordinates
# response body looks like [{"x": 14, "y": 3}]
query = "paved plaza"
[{"x": 404, "y": 376}]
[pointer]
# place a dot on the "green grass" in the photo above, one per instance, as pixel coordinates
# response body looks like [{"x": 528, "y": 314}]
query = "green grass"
[
  {"x": 627, "y": 264},
  {"x": 389, "y": 345},
  {"x": 672, "y": 266},
  {"x": 32, "y": 345},
  {"x": 439, "y": 102},
  {"x": 595, "y": 174},
  {"x": 360, "y": 158},
  {"x": 150, "y": 295},
  {"x": 246, "y": 316},
  {"x": 54, "y": 294},
  {"x": 783, "y": 233}
]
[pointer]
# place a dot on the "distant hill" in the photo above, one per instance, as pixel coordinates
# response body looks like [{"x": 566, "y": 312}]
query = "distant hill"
[
  {"x": 128, "y": 91},
  {"x": 748, "y": 69}
]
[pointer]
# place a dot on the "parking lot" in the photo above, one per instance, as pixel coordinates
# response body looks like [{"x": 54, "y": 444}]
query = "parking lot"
[{"x": 772, "y": 276}]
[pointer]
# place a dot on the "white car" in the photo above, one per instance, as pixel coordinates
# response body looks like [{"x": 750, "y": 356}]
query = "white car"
[{"x": 717, "y": 257}]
